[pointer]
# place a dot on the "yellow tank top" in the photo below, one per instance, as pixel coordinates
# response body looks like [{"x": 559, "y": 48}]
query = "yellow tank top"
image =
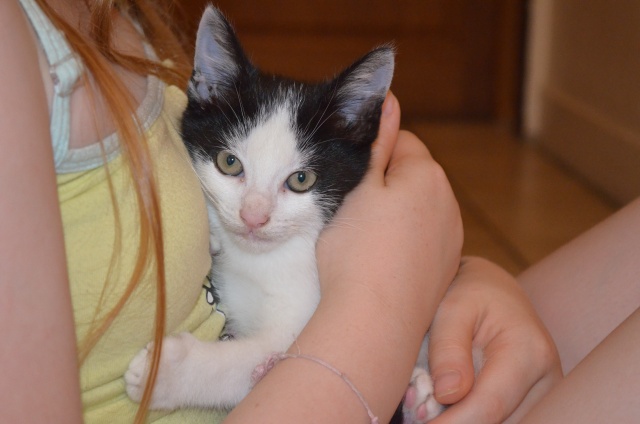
[{"x": 91, "y": 238}]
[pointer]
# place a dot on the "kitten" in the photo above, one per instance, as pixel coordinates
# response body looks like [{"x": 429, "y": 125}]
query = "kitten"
[{"x": 276, "y": 158}]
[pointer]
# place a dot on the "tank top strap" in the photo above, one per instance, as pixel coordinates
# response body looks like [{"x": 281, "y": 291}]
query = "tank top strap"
[{"x": 65, "y": 68}]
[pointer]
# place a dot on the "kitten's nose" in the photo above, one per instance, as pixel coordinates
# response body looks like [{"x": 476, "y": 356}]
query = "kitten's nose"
[
  {"x": 254, "y": 219},
  {"x": 255, "y": 210}
]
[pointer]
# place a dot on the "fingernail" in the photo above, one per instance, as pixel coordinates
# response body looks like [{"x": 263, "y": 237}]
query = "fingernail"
[
  {"x": 387, "y": 106},
  {"x": 447, "y": 383}
]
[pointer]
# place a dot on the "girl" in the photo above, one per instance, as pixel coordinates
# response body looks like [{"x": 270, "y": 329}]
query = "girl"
[{"x": 104, "y": 246}]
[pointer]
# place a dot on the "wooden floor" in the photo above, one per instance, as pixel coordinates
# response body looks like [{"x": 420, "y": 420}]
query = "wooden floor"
[{"x": 517, "y": 204}]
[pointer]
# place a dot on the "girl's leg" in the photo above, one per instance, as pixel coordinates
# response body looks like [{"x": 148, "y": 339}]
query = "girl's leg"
[
  {"x": 588, "y": 295},
  {"x": 589, "y": 287},
  {"x": 603, "y": 388}
]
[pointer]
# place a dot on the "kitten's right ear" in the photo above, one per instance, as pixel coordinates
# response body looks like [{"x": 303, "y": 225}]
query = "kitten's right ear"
[{"x": 218, "y": 56}]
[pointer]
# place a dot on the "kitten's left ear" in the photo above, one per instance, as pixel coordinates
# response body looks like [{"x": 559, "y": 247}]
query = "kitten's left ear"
[{"x": 364, "y": 85}]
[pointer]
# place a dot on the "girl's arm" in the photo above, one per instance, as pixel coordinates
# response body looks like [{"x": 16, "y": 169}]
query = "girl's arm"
[
  {"x": 384, "y": 263},
  {"x": 38, "y": 351}
]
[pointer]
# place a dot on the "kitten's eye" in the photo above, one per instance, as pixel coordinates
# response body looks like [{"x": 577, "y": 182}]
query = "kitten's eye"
[
  {"x": 228, "y": 164},
  {"x": 301, "y": 181}
]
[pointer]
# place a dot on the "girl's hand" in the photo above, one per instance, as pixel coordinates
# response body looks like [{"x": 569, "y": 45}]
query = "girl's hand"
[
  {"x": 486, "y": 308},
  {"x": 398, "y": 235}
]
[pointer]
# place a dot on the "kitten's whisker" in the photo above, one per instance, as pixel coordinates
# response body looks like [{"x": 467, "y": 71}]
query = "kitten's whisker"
[
  {"x": 224, "y": 115},
  {"x": 321, "y": 238},
  {"x": 207, "y": 192},
  {"x": 334, "y": 224},
  {"x": 329, "y": 140},
  {"x": 320, "y": 121},
  {"x": 232, "y": 109},
  {"x": 306, "y": 128},
  {"x": 336, "y": 219},
  {"x": 244, "y": 116}
]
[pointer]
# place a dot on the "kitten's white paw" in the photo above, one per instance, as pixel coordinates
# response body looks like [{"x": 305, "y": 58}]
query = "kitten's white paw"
[
  {"x": 419, "y": 404},
  {"x": 167, "y": 389}
]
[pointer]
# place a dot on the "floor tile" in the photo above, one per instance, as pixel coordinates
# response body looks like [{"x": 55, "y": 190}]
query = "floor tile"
[{"x": 523, "y": 201}]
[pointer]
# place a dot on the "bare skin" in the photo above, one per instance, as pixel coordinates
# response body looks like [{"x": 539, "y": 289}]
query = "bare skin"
[
  {"x": 38, "y": 347},
  {"x": 588, "y": 295},
  {"x": 603, "y": 387},
  {"x": 590, "y": 286}
]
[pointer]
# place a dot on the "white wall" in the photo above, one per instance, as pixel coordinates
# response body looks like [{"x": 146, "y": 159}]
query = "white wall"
[{"x": 582, "y": 95}]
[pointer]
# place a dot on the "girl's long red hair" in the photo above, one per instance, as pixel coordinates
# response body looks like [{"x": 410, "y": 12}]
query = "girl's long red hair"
[{"x": 98, "y": 54}]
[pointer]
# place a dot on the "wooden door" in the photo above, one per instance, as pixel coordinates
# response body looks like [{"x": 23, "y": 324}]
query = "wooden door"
[{"x": 456, "y": 59}]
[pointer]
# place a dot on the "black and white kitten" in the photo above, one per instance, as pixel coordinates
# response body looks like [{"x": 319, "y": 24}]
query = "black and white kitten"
[{"x": 276, "y": 158}]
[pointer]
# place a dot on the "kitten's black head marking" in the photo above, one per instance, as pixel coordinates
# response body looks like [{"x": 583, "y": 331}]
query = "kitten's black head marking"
[{"x": 335, "y": 120}]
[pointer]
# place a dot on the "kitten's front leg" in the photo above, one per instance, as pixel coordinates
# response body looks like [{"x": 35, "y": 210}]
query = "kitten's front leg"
[
  {"x": 201, "y": 374},
  {"x": 172, "y": 379}
]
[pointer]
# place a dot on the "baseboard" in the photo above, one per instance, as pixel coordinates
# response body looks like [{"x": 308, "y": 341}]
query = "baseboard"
[{"x": 592, "y": 144}]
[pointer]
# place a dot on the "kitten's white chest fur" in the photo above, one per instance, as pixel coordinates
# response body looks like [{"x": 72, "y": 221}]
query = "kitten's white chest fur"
[{"x": 275, "y": 290}]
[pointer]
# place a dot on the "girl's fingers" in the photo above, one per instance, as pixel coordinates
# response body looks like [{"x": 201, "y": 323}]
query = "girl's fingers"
[
  {"x": 504, "y": 382},
  {"x": 450, "y": 359}
]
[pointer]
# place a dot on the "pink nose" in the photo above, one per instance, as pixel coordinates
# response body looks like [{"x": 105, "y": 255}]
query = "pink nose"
[{"x": 254, "y": 219}]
